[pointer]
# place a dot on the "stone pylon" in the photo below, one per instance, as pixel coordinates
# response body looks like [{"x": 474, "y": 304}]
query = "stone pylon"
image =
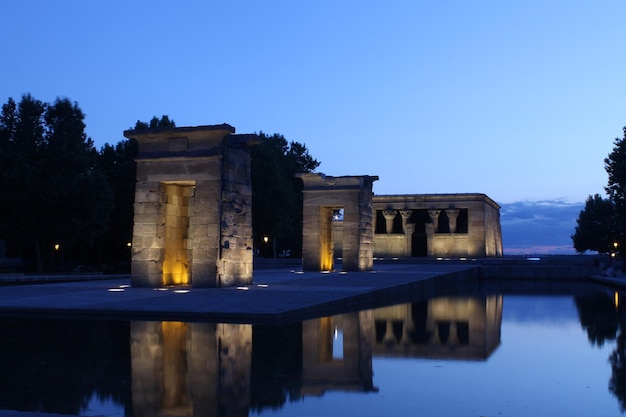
[
  {"x": 193, "y": 207},
  {"x": 322, "y": 195}
]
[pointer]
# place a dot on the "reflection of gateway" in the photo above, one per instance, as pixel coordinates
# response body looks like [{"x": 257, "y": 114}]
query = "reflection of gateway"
[
  {"x": 190, "y": 369},
  {"x": 337, "y": 353},
  {"x": 447, "y": 328}
]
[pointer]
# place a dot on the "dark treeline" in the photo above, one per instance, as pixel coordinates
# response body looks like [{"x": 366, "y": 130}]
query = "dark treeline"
[
  {"x": 601, "y": 225},
  {"x": 65, "y": 205}
]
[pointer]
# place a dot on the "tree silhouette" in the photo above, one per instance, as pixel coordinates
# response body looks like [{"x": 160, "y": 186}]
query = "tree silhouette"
[
  {"x": 596, "y": 226},
  {"x": 277, "y": 194},
  {"x": 54, "y": 198}
]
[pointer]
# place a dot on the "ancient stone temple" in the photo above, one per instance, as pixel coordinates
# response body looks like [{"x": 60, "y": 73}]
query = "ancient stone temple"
[
  {"x": 322, "y": 197},
  {"x": 436, "y": 225},
  {"x": 193, "y": 217}
]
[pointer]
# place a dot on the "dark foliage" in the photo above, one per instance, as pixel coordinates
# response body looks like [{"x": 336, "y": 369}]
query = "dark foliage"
[
  {"x": 54, "y": 198},
  {"x": 154, "y": 123},
  {"x": 596, "y": 226},
  {"x": 602, "y": 223},
  {"x": 118, "y": 165},
  {"x": 277, "y": 194}
]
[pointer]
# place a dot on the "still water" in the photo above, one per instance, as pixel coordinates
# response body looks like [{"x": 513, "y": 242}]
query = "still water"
[{"x": 501, "y": 353}]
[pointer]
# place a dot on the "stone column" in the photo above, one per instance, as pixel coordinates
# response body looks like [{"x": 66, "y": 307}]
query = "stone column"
[
  {"x": 408, "y": 235},
  {"x": 389, "y": 216},
  {"x": 430, "y": 238},
  {"x": 434, "y": 217},
  {"x": 389, "y": 338},
  {"x": 452, "y": 216},
  {"x": 406, "y": 215}
]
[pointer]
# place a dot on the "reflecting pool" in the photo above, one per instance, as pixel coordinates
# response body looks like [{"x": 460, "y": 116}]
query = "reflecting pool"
[{"x": 500, "y": 352}]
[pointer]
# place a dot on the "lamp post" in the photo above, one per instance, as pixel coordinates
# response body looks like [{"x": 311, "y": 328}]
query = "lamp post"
[{"x": 265, "y": 240}]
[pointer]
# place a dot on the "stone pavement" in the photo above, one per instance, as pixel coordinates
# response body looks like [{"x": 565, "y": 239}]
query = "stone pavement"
[{"x": 276, "y": 296}]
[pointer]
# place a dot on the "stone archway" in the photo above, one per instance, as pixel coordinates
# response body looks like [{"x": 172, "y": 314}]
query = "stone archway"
[
  {"x": 193, "y": 199},
  {"x": 321, "y": 196}
]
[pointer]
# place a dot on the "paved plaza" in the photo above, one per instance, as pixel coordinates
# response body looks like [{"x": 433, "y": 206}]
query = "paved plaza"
[{"x": 276, "y": 296}]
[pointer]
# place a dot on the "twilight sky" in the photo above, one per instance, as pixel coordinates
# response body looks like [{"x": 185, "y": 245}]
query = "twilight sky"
[{"x": 517, "y": 100}]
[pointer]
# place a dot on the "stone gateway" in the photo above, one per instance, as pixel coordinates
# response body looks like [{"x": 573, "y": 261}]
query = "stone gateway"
[
  {"x": 193, "y": 198},
  {"x": 324, "y": 195}
]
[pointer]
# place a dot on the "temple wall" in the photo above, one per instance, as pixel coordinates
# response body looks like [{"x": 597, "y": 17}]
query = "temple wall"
[
  {"x": 436, "y": 225},
  {"x": 493, "y": 234},
  {"x": 391, "y": 245},
  {"x": 450, "y": 245}
]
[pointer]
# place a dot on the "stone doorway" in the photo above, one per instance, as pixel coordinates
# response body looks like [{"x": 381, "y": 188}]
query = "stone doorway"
[
  {"x": 330, "y": 240},
  {"x": 177, "y": 256}
]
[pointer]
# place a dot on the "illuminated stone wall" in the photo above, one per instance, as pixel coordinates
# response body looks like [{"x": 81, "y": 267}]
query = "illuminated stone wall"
[
  {"x": 321, "y": 196},
  {"x": 436, "y": 225},
  {"x": 193, "y": 217}
]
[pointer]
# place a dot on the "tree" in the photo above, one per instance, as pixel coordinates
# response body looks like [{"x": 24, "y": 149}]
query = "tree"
[
  {"x": 52, "y": 191},
  {"x": 596, "y": 226},
  {"x": 601, "y": 224},
  {"x": 118, "y": 165},
  {"x": 155, "y": 122},
  {"x": 277, "y": 194},
  {"x": 615, "y": 166},
  {"x": 76, "y": 195},
  {"x": 21, "y": 135}
]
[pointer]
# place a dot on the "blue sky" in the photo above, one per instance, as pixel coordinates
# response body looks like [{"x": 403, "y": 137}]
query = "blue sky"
[{"x": 517, "y": 100}]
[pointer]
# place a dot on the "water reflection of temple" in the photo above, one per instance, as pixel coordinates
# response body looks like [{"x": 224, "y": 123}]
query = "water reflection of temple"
[
  {"x": 448, "y": 327},
  {"x": 204, "y": 369},
  {"x": 190, "y": 369},
  {"x": 337, "y": 353},
  {"x": 338, "y": 350}
]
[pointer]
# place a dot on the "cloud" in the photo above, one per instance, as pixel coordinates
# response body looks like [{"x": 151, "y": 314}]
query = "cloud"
[{"x": 539, "y": 227}]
